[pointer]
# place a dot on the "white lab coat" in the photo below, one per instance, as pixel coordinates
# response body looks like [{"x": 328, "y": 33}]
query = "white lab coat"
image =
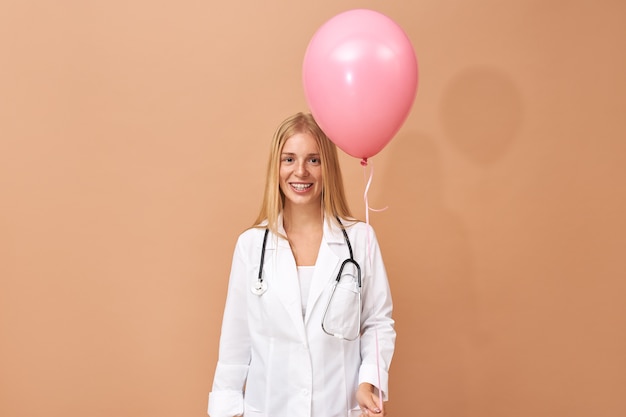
[{"x": 275, "y": 363}]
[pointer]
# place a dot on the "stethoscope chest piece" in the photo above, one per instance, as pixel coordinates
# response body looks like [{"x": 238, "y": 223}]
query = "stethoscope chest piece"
[{"x": 258, "y": 288}]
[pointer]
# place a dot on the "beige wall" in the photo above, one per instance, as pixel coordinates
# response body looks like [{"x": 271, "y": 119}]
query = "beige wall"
[{"x": 133, "y": 139}]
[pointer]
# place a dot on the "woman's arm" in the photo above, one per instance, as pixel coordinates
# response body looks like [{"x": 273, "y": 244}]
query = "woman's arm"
[
  {"x": 226, "y": 397},
  {"x": 377, "y": 326}
]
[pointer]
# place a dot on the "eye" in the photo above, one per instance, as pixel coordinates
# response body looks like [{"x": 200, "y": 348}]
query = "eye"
[
  {"x": 287, "y": 159},
  {"x": 315, "y": 160}
]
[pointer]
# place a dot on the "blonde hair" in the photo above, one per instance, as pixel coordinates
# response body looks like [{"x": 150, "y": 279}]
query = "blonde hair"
[{"x": 334, "y": 203}]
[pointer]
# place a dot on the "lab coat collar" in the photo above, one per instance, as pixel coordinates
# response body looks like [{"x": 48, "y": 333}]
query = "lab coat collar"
[{"x": 332, "y": 233}]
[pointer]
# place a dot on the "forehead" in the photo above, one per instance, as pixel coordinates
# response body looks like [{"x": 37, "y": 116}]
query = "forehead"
[{"x": 301, "y": 143}]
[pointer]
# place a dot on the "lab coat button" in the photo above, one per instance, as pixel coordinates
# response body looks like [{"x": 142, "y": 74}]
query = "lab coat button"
[{"x": 305, "y": 392}]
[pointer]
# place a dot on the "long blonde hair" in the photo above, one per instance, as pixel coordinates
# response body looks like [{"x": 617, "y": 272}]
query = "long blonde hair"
[{"x": 334, "y": 203}]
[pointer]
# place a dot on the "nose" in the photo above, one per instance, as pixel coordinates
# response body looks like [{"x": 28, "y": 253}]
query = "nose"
[{"x": 301, "y": 169}]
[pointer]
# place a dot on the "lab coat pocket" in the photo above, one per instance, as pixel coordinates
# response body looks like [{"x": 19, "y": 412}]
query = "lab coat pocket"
[{"x": 343, "y": 308}]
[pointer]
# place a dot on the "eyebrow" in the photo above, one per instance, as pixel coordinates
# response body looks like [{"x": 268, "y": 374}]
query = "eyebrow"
[{"x": 292, "y": 153}]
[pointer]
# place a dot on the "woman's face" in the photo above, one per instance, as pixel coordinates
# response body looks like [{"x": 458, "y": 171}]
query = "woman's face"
[{"x": 301, "y": 171}]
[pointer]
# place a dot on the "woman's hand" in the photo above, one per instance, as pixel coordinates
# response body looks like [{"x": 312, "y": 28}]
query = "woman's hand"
[{"x": 369, "y": 401}]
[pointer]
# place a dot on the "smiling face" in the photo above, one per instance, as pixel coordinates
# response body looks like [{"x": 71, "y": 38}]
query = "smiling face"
[{"x": 301, "y": 171}]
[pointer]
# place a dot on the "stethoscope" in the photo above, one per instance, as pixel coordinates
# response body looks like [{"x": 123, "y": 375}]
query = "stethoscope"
[{"x": 260, "y": 286}]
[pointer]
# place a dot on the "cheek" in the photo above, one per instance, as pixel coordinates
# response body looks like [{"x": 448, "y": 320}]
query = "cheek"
[
  {"x": 281, "y": 175},
  {"x": 282, "y": 180},
  {"x": 319, "y": 176}
]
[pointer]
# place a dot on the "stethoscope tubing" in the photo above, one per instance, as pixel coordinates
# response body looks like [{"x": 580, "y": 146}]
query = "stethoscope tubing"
[{"x": 260, "y": 286}]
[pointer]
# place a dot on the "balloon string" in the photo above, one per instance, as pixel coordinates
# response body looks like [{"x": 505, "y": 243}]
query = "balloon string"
[
  {"x": 369, "y": 259},
  {"x": 367, "y": 205}
]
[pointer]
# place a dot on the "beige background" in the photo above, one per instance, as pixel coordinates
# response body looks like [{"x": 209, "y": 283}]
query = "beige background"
[{"x": 133, "y": 141}]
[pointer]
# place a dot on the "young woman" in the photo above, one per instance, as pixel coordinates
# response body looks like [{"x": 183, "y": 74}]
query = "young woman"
[{"x": 307, "y": 328}]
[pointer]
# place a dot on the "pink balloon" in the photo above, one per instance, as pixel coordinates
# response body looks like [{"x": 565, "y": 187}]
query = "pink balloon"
[{"x": 360, "y": 80}]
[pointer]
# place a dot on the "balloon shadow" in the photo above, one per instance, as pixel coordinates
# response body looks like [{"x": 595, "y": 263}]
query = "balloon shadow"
[{"x": 481, "y": 113}]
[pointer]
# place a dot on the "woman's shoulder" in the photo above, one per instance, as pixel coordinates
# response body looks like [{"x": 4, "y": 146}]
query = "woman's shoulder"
[
  {"x": 252, "y": 232},
  {"x": 358, "y": 229},
  {"x": 356, "y": 225},
  {"x": 251, "y": 236}
]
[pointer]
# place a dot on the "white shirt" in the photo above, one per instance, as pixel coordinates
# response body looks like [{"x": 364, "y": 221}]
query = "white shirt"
[{"x": 305, "y": 276}]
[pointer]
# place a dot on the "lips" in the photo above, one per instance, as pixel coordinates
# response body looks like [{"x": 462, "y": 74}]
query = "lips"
[{"x": 300, "y": 186}]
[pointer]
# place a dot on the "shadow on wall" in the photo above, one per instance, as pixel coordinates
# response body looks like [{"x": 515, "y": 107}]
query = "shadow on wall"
[
  {"x": 481, "y": 113},
  {"x": 429, "y": 262}
]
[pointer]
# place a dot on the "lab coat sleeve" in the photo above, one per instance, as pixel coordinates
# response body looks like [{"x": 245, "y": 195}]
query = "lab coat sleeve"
[
  {"x": 226, "y": 397},
  {"x": 378, "y": 334}
]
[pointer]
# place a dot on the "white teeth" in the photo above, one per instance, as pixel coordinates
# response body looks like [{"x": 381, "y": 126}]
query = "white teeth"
[{"x": 301, "y": 187}]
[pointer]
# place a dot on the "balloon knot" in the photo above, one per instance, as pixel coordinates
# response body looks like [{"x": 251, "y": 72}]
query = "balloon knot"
[{"x": 364, "y": 162}]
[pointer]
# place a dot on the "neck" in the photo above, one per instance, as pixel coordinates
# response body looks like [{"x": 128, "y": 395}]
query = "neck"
[{"x": 302, "y": 218}]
